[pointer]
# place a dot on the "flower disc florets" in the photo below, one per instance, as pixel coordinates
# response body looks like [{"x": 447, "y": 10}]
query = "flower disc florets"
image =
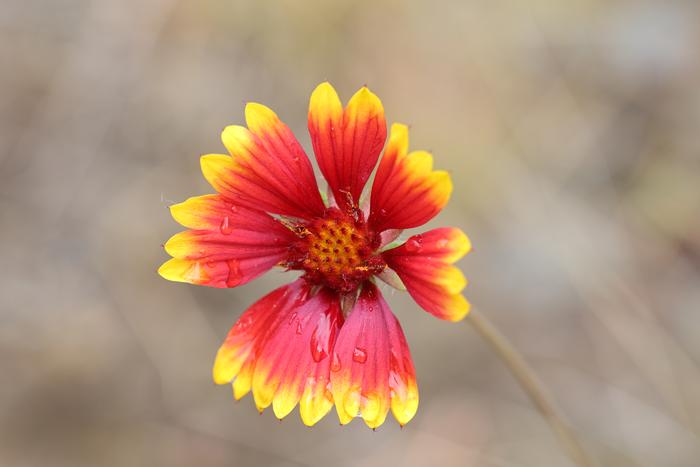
[{"x": 336, "y": 250}]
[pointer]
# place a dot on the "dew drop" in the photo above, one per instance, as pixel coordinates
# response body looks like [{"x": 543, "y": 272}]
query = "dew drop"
[
  {"x": 299, "y": 328},
  {"x": 359, "y": 355},
  {"x": 442, "y": 243},
  {"x": 293, "y": 317},
  {"x": 234, "y": 273},
  {"x": 244, "y": 323},
  {"x": 225, "y": 226},
  {"x": 383, "y": 212},
  {"x": 320, "y": 339},
  {"x": 318, "y": 353},
  {"x": 414, "y": 244},
  {"x": 310, "y": 382},
  {"x": 335, "y": 364}
]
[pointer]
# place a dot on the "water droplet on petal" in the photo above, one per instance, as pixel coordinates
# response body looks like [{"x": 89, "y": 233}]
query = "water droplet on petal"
[
  {"x": 442, "y": 243},
  {"x": 245, "y": 323},
  {"x": 310, "y": 382},
  {"x": 383, "y": 212},
  {"x": 225, "y": 226},
  {"x": 322, "y": 337},
  {"x": 414, "y": 244},
  {"x": 359, "y": 355},
  {"x": 234, "y": 273},
  {"x": 335, "y": 364},
  {"x": 299, "y": 328},
  {"x": 292, "y": 317},
  {"x": 318, "y": 353}
]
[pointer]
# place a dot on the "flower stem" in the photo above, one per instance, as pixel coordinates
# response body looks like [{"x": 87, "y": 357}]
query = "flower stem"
[{"x": 532, "y": 386}]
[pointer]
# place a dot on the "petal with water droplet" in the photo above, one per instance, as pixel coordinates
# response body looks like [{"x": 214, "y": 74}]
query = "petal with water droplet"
[
  {"x": 367, "y": 381},
  {"x": 292, "y": 366},
  {"x": 226, "y": 247}
]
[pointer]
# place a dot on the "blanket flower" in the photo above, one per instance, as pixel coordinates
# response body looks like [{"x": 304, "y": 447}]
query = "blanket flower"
[{"x": 328, "y": 338}]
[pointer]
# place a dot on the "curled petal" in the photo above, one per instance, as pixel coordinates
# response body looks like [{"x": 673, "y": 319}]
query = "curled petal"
[
  {"x": 424, "y": 264},
  {"x": 406, "y": 191},
  {"x": 346, "y": 142},
  {"x": 231, "y": 246},
  {"x": 267, "y": 170},
  {"x": 372, "y": 370}
]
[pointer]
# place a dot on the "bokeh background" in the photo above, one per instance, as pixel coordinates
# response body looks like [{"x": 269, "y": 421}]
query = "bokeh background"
[{"x": 571, "y": 130}]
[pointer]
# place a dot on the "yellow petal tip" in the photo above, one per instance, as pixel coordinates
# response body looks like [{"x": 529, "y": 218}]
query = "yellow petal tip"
[
  {"x": 460, "y": 309},
  {"x": 178, "y": 270},
  {"x": 325, "y": 87},
  {"x": 259, "y": 118}
]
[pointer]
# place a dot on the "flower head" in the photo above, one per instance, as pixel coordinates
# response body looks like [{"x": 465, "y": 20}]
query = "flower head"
[{"x": 329, "y": 338}]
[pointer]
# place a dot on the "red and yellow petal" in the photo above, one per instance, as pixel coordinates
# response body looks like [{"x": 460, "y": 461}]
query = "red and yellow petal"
[
  {"x": 218, "y": 274},
  {"x": 347, "y": 142},
  {"x": 215, "y": 246},
  {"x": 202, "y": 212},
  {"x": 424, "y": 264},
  {"x": 233, "y": 183},
  {"x": 406, "y": 192},
  {"x": 231, "y": 246},
  {"x": 236, "y": 357},
  {"x": 372, "y": 371},
  {"x": 267, "y": 170},
  {"x": 294, "y": 362},
  {"x": 278, "y": 140},
  {"x": 280, "y": 348}
]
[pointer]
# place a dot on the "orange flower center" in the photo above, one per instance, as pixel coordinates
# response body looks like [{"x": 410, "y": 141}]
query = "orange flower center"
[
  {"x": 335, "y": 247},
  {"x": 336, "y": 251}
]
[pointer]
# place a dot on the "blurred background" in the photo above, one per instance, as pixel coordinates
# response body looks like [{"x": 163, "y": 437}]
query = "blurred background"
[{"x": 571, "y": 132}]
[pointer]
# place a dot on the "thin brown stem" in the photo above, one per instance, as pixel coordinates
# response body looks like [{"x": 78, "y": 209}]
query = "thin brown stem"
[{"x": 532, "y": 386}]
